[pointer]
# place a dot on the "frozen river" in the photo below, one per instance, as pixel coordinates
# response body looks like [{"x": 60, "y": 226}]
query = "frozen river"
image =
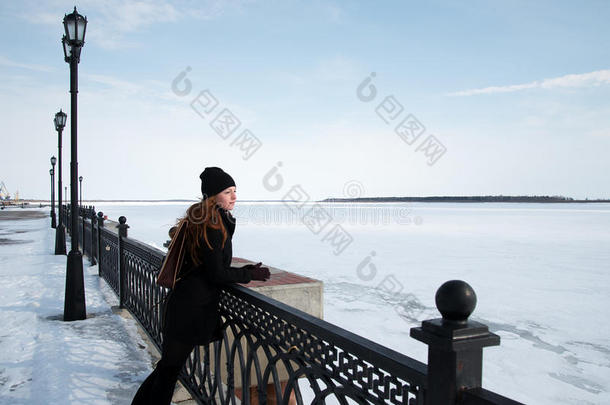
[{"x": 541, "y": 273}]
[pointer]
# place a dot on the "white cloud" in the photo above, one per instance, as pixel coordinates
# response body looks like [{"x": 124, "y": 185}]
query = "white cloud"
[
  {"x": 333, "y": 12},
  {"x": 40, "y": 68},
  {"x": 592, "y": 79},
  {"x": 602, "y": 133},
  {"x": 337, "y": 68},
  {"x": 116, "y": 19}
]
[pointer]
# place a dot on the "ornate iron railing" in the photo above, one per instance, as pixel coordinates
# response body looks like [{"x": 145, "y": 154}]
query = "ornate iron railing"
[
  {"x": 109, "y": 257},
  {"x": 268, "y": 347},
  {"x": 142, "y": 296},
  {"x": 335, "y": 362}
]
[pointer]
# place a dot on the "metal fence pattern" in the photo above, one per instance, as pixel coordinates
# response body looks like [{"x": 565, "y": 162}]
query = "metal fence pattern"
[
  {"x": 109, "y": 258},
  {"x": 142, "y": 296}
]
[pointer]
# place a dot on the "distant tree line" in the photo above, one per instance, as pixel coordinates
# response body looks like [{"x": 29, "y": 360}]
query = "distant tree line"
[{"x": 486, "y": 198}]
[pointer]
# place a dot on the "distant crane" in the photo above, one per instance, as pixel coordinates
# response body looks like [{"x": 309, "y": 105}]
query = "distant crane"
[{"x": 4, "y": 194}]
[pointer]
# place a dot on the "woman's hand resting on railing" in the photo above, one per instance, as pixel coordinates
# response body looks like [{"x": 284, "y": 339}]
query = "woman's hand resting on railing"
[{"x": 258, "y": 272}]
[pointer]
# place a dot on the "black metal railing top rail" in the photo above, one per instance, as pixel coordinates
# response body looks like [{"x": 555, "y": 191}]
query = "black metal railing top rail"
[{"x": 273, "y": 353}]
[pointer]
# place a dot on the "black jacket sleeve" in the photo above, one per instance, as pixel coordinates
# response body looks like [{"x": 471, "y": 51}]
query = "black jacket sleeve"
[{"x": 216, "y": 267}]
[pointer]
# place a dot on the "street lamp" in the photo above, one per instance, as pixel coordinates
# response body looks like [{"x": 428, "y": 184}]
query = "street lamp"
[
  {"x": 60, "y": 230},
  {"x": 52, "y": 171},
  {"x": 75, "y": 26},
  {"x": 80, "y": 187}
]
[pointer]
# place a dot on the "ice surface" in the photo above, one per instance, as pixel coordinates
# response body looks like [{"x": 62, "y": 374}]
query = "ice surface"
[{"x": 541, "y": 273}]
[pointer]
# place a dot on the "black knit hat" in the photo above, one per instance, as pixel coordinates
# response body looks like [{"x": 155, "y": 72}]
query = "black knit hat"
[{"x": 214, "y": 180}]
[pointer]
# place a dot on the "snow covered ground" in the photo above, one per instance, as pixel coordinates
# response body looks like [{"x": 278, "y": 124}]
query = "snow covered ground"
[{"x": 43, "y": 360}]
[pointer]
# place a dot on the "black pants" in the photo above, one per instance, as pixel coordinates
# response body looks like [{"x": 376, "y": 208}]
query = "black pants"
[{"x": 158, "y": 388}]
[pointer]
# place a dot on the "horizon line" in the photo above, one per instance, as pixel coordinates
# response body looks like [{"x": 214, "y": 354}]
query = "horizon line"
[{"x": 556, "y": 198}]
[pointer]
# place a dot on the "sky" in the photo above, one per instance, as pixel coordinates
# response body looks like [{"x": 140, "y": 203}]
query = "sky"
[{"x": 315, "y": 98}]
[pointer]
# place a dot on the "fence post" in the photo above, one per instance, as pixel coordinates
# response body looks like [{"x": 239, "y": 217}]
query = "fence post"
[
  {"x": 80, "y": 231},
  {"x": 122, "y": 227},
  {"x": 83, "y": 212},
  {"x": 92, "y": 245},
  {"x": 87, "y": 215},
  {"x": 68, "y": 219},
  {"x": 100, "y": 224},
  {"x": 455, "y": 344}
]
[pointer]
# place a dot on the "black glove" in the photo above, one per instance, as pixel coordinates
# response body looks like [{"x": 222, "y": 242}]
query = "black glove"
[
  {"x": 251, "y": 266},
  {"x": 257, "y": 272}
]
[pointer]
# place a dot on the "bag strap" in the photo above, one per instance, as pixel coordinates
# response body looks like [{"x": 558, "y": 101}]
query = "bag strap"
[{"x": 174, "y": 258}]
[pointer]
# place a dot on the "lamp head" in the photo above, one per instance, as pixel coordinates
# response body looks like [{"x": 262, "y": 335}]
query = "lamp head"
[
  {"x": 60, "y": 120},
  {"x": 75, "y": 26}
]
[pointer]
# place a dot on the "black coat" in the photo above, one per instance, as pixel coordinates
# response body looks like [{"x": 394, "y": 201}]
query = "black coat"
[{"x": 191, "y": 312}]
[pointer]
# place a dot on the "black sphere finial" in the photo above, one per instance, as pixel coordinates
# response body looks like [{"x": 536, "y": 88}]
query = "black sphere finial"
[
  {"x": 456, "y": 300},
  {"x": 100, "y": 214},
  {"x": 122, "y": 220}
]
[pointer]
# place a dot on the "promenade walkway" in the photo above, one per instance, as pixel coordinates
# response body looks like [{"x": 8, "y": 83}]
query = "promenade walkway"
[{"x": 43, "y": 360}]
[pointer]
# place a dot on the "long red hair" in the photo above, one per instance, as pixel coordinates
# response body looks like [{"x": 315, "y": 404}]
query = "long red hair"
[{"x": 199, "y": 217}]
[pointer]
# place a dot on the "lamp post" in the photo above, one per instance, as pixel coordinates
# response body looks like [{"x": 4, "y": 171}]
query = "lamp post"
[
  {"x": 52, "y": 171},
  {"x": 80, "y": 187},
  {"x": 60, "y": 230},
  {"x": 75, "y": 26}
]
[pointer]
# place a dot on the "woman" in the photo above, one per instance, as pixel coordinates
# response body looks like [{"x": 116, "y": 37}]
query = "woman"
[{"x": 191, "y": 313}]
